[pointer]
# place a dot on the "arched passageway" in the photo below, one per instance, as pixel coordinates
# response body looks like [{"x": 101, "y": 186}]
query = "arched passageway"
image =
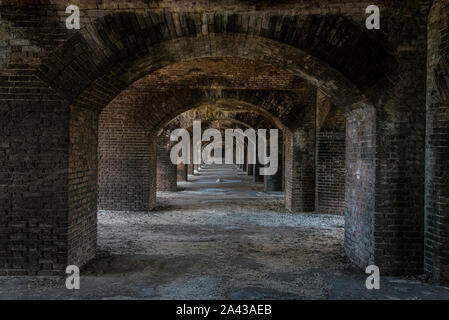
[{"x": 127, "y": 73}]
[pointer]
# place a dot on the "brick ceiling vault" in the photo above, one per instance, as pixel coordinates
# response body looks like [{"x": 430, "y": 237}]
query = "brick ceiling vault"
[
  {"x": 218, "y": 115},
  {"x": 95, "y": 64},
  {"x": 225, "y": 87}
]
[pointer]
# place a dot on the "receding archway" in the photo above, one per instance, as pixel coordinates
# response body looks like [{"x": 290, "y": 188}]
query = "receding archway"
[{"x": 107, "y": 59}]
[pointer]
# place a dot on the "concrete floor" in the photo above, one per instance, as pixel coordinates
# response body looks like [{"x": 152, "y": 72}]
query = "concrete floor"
[{"x": 219, "y": 240}]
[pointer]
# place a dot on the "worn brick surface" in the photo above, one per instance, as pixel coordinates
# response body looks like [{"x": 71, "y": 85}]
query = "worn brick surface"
[
  {"x": 54, "y": 83},
  {"x": 330, "y": 158},
  {"x": 437, "y": 146},
  {"x": 300, "y": 161},
  {"x": 360, "y": 185},
  {"x": 166, "y": 171},
  {"x": 125, "y": 155}
]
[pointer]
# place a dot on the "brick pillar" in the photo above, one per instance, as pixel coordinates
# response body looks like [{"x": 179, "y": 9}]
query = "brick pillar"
[
  {"x": 400, "y": 165},
  {"x": 34, "y": 177},
  {"x": 330, "y": 180},
  {"x": 274, "y": 182},
  {"x": 436, "y": 259},
  {"x": 182, "y": 172},
  {"x": 330, "y": 158},
  {"x": 257, "y": 177},
  {"x": 191, "y": 166},
  {"x": 385, "y": 161},
  {"x": 360, "y": 185},
  {"x": 166, "y": 171},
  {"x": 283, "y": 163},
  {"x": 300, "y": 164},
  {"x": 124, "y": 173},
  {"x": 250, "y": 169}
]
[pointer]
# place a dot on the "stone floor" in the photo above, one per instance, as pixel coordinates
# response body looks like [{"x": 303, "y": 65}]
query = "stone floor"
[{"x": 222, "y": 239}]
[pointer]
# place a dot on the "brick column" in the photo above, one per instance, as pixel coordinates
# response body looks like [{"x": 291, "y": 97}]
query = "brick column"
[
  {"x": 360, "y": 185},
  {"x": 124, "y": 176},
  {"x": 166, "y": 171},
  {"x": 274, "y": 182},
  {"x": 436, "y": 259},
  {"x": 300, "y": 164},
  {"x": 385, "y": 162},
  {"x": 330, "y": 158},
  {"x": 182, "y": 172}
]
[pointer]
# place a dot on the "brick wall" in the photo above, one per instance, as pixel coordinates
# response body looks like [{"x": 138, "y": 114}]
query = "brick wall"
[
  {"x": 83, "y": 159},
  {"x": 300, "y": 161},
  {"x": 95, "y": 65},
  {"x": 330, "y": 159},
  {"x": 436, "y": 261},
  {"x": 400, "y": 155},
  {"x": 360, "y": 185},
  {"x": 275, "y": 182},
  {"x": 125, "y": 152},
  {"x": 34, "y": 157},
  {"x": 166, "y": 171}
]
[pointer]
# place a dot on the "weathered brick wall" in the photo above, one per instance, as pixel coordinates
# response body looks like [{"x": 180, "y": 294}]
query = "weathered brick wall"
[
  {"x": 124, "y": 179},
  {"x": 330, "y": 170},
  {"x": 300, "y": 161},
  {"x": 400, "y": 152},
  {"x": 34, "y": 157},
  {"x": 97, "y": 63},
  {"x": 360, "y": 185},
  {"x": 83, "y": 160},
  {"x": 436, "y": 261},
  {"x": 330, "y": 159},
  {"x": 166, "y": 171},
  {"x": 171, "y": 26}
]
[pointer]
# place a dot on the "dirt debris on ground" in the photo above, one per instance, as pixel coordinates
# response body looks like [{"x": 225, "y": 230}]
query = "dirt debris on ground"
[{"x": 226, "y": 240}]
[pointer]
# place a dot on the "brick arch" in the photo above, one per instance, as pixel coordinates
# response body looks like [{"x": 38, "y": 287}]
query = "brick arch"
[
  {"x": 233, "y": 121},
  {"x": 254, "y": 120},
  {"x": 284, "y": 108},
  {"x": 249, "y": 120},
  {"x": 258, "y": 102},
  {"x": 168, "y": 174},
  {"x": 105, "y": 56},
  {"x": 128, "y": 148},
  {"x": 88, "y": 57}
]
